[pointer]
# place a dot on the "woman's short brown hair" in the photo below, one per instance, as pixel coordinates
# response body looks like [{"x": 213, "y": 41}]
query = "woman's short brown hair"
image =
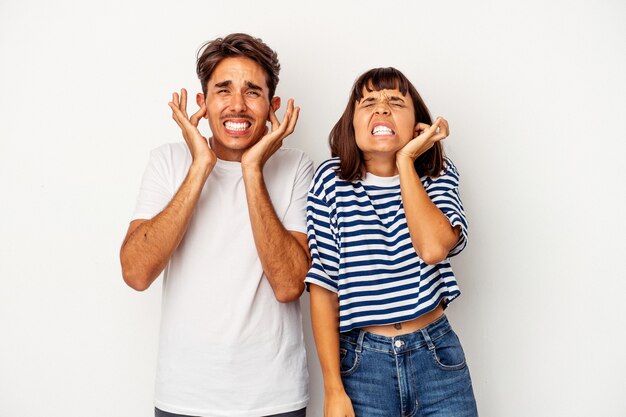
[
  {"x": 343, "y": 142},
  {"x": 237, "y": 45}
]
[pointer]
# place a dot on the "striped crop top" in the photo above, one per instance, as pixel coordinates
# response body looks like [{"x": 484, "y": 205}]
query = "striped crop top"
[{"x": 361, "y": 248}]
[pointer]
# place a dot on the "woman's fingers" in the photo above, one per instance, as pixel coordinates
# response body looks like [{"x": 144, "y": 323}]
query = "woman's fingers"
[
  {"x": 442, "y": 130},
  {"x": 437, "y": 131},
  {"x": 421, "y": 128}
]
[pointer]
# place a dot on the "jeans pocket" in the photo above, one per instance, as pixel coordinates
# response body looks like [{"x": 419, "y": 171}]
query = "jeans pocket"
[
  {"x": 348, "y": 359},
  {"x": 448, "y": 353}
]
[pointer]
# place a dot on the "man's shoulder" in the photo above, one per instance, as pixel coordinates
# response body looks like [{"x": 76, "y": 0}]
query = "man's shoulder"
[
  {"x": 290, "y": 155},
  {"x": 290, "y": 159},
  {"x": 173, "y": 150}
]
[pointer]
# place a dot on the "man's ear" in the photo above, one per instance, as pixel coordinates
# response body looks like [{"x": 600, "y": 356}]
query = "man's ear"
[
  {"x": 199, "y": 101},
  {"x": 275, "y": 103}
]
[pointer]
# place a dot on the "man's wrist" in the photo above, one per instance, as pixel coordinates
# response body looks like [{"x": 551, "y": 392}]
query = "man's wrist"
[
  {"x": 252, "y": 171},
  {"x": 201, "y": 168}
]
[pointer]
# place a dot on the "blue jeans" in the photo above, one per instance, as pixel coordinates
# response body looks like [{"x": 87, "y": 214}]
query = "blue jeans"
[
  {"x": 299, "y": 413},
  {"x": 419, "y": 374}
]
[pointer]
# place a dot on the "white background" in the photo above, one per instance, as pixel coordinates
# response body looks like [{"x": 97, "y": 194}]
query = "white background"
[{"x": 535, "y": 95}]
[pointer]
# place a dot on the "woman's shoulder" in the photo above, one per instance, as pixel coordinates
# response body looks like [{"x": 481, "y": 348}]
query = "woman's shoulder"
[
  {"x": 449, "y": 167},
  {"x": 326, "y": 171},
  {"x": 325, "y": 176}
]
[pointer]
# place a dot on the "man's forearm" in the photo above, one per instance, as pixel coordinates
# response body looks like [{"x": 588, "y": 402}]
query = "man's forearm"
[
  {"x": 150, "y": 244},
  {"x": 285, "y": 261}
]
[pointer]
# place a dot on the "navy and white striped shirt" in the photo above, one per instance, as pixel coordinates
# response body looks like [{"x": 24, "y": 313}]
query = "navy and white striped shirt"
[{"x": 361, "y": 248}]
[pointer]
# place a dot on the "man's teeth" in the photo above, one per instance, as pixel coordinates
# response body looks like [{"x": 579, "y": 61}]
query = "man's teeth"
[
  {"x": 382, "y": 130},
  {"x": 236, "y": 126}
]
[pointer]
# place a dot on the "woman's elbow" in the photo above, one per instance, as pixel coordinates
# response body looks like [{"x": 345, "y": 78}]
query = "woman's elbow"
[{"x": 433, "y": 255}]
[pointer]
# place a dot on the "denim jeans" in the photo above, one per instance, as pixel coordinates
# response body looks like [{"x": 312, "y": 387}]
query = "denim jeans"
[
  {"x": 298, "y": 413},
  {"x": 419, "y": 374}
]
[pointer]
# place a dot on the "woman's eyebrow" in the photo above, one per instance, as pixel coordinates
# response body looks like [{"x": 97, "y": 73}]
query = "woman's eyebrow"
[{"x": 385, "y": 96}]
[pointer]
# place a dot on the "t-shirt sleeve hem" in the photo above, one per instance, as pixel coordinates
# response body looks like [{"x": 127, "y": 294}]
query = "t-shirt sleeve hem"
[
  {"x": 292, "y": 227},
  {"x": 321, "y": 282}
]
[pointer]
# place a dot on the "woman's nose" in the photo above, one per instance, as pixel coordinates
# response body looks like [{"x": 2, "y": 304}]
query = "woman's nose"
[{"x": 382, "y": 107}]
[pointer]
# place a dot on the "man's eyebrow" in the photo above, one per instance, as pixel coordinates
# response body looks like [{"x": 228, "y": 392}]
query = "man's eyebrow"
[
  {"x": 228, "y": 83},
  {"x": 253, "y": 86}
]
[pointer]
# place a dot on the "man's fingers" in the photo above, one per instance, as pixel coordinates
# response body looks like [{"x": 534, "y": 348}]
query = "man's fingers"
[
  {"x": 174, "y": 114},
  {"x": 287, "y": 118},
  {"x": 289, "y": 111},
  {"x": 274, "y": 120},
  {"x": 183, "y": 101},
  {"x": 180, "y": 118},
  {"x": 195, "y": 118},
  {"x": 293, "y": 120}
]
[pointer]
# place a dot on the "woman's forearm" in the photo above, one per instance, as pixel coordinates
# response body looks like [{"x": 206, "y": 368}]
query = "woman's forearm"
[
  {"x": 431, "y": 233},
  {"x": 325, "y": 321}
]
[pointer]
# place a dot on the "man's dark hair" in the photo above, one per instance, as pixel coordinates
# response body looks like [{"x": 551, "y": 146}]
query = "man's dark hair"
[
  {"x": 343, "y": 142},
  {"x": 237, "y": 45}
]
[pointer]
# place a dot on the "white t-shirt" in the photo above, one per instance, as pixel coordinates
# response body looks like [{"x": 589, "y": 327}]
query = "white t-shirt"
[{"x": 227, "y": 346}]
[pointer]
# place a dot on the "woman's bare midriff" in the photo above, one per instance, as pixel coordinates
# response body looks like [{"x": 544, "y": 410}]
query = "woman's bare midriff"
[{"x": 391, "y": 330}]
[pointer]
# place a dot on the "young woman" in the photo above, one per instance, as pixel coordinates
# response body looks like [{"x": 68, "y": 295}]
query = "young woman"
[{"x": 384, "y": 215}]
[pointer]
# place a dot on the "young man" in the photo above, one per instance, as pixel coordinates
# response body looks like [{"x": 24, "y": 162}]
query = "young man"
[{"x": 225, "y": 218}]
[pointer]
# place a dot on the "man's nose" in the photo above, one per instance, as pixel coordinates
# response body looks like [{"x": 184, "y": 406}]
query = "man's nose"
[{"x": 238, "y": 103}]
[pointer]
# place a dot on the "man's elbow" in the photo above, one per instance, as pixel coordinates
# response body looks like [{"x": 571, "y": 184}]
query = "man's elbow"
[
  {"x": 136, "y": 281},
  {"x": 289, "y": 294},
  {"x": 134, "y": 277}
]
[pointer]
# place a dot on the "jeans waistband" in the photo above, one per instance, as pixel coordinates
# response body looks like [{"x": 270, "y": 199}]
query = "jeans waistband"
[{"x": 401, "y": 343}]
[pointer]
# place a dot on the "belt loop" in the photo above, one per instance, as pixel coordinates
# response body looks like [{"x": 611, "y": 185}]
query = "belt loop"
[
  {"x": 359, "y": 342},
  {"x": 428, "y": 340}
]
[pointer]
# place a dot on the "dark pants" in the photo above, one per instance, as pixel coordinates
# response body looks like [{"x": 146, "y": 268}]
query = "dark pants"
[{"x": 298, "y": 413}]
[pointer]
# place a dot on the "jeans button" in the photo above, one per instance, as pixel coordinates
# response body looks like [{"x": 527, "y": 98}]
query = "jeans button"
[{"x": 398, "y": 343}]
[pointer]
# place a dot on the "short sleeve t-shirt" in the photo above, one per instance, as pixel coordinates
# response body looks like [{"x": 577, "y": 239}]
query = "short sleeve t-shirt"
[
  {"x": 361, "y": 248},
  {"x": 227, "y": 346}
]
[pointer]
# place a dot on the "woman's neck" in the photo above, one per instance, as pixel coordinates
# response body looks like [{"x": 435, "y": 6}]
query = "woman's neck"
[{"x": 381, "y": 166}]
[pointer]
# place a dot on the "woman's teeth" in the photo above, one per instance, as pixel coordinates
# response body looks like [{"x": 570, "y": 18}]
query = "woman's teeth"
[{"x": 382, "y": 130}]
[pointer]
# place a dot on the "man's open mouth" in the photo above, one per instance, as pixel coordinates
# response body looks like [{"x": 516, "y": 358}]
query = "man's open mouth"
[{"x": 237, "y": 126}]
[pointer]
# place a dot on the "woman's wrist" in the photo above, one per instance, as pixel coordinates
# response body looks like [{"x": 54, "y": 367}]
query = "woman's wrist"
[
  {"x": 404, "y": 164},
  {"x": 334, "y": 388}
]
